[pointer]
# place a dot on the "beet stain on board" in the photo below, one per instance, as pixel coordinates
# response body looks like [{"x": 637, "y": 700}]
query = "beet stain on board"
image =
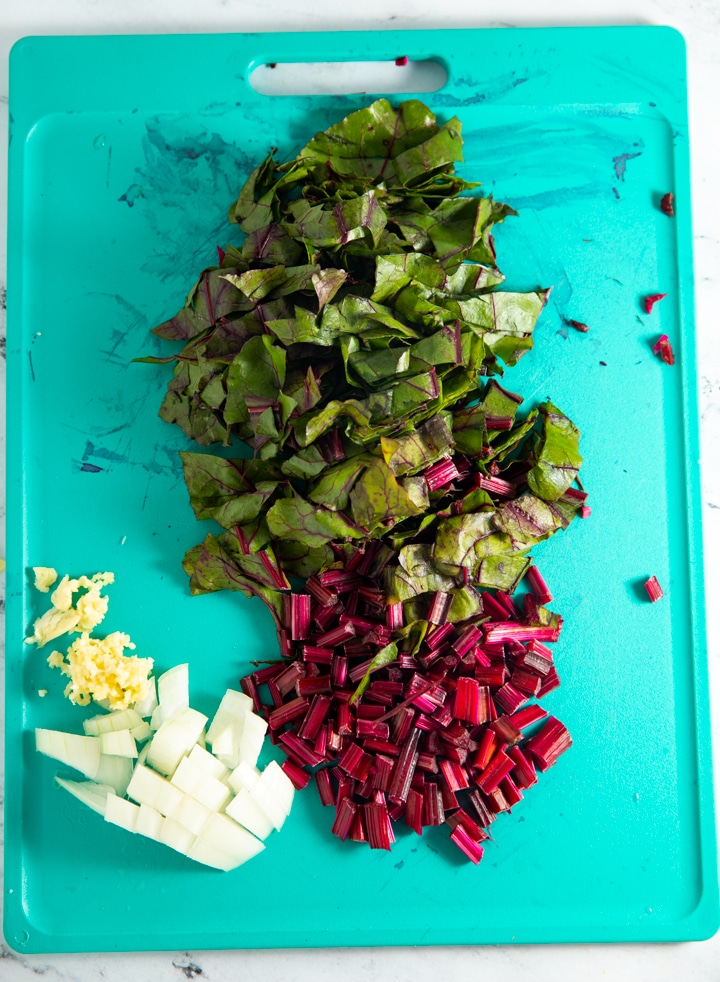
[{"x": 352, "y": 342}]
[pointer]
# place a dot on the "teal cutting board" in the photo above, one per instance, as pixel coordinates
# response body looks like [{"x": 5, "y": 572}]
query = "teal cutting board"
[{"x": 125, "y": 155}]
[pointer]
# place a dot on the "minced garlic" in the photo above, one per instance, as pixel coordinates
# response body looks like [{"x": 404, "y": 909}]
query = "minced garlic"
[
  {"x": 99, "y": 670},
  {"x": 63, "y": 616},
  {"x": 45, "y": 576}
]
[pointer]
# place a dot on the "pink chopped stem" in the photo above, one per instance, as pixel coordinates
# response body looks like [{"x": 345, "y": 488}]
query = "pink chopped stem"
[
  {"x": 472, "y": 849},
  {"x": 523, "y": 773},
  {"x": 315, "y": 717},
  {"x": 247, "y": 684},
  {"x": 468, "y": 639},
  {"x": 287, "y": 712},
  {"x": 527, "y": 716},
  {"x": 467, "y": 701},
  {"x": 651, "y": 299},
  {"x": 414, "y": 811},
  {"x": 299, "y": 777},
  {"x": 434, "y": 639},
  {"x": 442, "y": 473},
  {"x": 324, "y": 786},
  {"x": 405, "y": 768},
  {"x": 550, "y": 682},
  {"x": 493, "y": 609},
  {"x": 299, "y": 616},
  {"x": 519, "y": 632},
  {"x": 433, "y": 811},
  {"x": 454, "y": 774},
  {"x": 313, "y": 686},
  {"x": 302, "y": 750},
  {"x": 337, "y": 635},
  {"x": 575, "y": 494},
  {"x": 317, "y": 655},
  {"x": 509, "y": 698},
  {"x": 338, "y": 671},
  {"x": 378, "y": 827},
  {"x": 510, "y": 790},
  {"x": 538, "y": 585},
  {"x": 324, "y": 596},
  {"x": 440, "y": 608},
  {"x": 344, "y": 817},
  {"x": 663, "y": 348},
  {"x": 355, "y": 762},
  {"x": 320, "y": 745},
  {"x": 340, "y": 580},
  {"x": 499, "y": 422},
  {"x": 549, "y": 743},
  {"x": 654, "y": 590},
  {"x": 395, "y": 617},
  {"x": 496, "y": 770},
  {"x": 496, "y": 486}
]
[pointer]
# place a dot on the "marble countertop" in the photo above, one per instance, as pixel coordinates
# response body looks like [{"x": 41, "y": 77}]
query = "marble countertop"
[{"x": 700, "y": 24}]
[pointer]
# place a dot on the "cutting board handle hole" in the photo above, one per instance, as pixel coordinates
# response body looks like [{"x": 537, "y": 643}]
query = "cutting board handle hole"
[{"x": 401, "y": 75}]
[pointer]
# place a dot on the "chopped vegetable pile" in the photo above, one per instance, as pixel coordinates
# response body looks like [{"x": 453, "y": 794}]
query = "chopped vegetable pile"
[
  {"x": 423, "y": 722},
  {"x": 350, "y": 343},
  {"x": 214, "y": 807}
]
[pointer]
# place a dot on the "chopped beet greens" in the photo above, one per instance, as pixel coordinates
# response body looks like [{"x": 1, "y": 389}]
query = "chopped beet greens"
[{"x": 391, "y": 490}]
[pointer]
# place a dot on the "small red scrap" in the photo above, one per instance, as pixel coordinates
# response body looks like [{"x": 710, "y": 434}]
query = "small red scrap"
[
  {"x": 654, "y": 590},
  {"x": 663, "y": 348},
  {"x": 401, "y": 62},
  {"x": 667, "y": 204},
  {"x": 651, "y": 300}
]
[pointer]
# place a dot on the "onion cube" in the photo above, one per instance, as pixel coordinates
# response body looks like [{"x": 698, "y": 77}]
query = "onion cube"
[
  {"x": 176, "y": 836},
  {"x": 204, "y": 759},
  {"x": 120, "y": 811},
  {"x": 148, "y": 822},
  {"x": 191, "y": 814},
  {"x": 245, "y": 810},
  {"x": 224, "y": 844},
  {"x": 118, "y": 743}
]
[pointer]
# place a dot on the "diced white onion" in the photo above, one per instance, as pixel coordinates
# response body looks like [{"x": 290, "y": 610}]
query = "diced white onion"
[
  {"x": 245, "y": 810},
  {"x": 115, "y": 771},
  {"x": 149, "y": 822},
  {"x": 120, "y": 811},
  {"x": 204, "y": 759},
  {"x": 145, "y": 707},
  {"x": 224, "y": 844},
  {"x": 80, "y": 752},
  {"x": 173, "y": 690},
  {"x": 141, "y": 732},
  {"x": 119, "y": 743},
  {"x": 89, "y": 792},
  {"x": 244, "y": 776},
  {"x": 191, "y": 814},
  {"x": 122, "y": 719},
  {"x": 176, "y": 836},
  {"x": 175, "y": 738}
]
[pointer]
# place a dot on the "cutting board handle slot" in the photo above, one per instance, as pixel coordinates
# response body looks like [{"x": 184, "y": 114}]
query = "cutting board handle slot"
[{"x": 401, "y": 75}]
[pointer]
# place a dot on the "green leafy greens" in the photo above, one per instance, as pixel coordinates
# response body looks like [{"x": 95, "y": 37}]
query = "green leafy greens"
[{"x": 350, "y": 344}]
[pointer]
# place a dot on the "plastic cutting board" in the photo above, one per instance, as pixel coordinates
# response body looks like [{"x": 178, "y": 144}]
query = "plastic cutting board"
[{"x": 125, "y": 155}]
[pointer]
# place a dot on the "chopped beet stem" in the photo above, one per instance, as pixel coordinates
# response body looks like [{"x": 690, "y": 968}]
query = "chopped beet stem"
[
  {"x": 538, "y": 585},
  {"x": 651, "y": 299},
  {"x": 653, "y": 588}
]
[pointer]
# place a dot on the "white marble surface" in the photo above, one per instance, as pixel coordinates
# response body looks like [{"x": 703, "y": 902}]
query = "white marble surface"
[{"x": 700, "y": 23}]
